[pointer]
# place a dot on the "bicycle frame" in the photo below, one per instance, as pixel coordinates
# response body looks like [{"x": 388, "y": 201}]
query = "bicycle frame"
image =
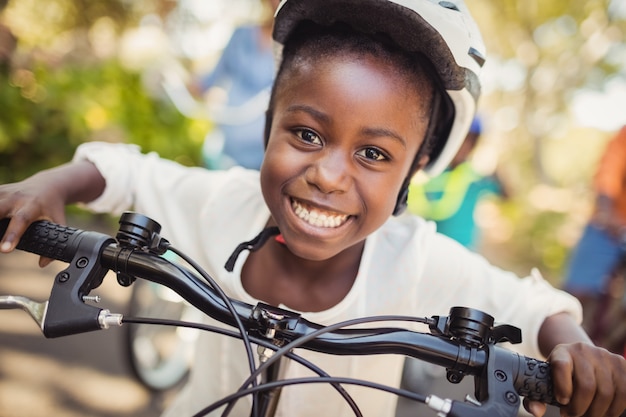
[{"x": 465, "y": 342}]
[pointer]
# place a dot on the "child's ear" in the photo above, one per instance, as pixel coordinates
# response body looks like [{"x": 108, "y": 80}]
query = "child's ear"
[{"x": 424, "y": 159}]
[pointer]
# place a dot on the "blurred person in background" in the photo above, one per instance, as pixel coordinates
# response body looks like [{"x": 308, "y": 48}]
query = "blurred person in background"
[
  {"x": 244, "y": 72},
  {"x": 603, "y": 242},
  {"x": 451, "y": 198}
]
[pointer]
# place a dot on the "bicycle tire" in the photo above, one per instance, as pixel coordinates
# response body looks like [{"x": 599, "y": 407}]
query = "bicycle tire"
[{"x": 158, "y": 356}]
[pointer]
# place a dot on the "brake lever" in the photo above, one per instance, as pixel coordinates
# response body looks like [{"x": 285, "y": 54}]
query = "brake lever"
[
  {"x": 506, "y": 376},
  {"x": 65, "y": 312},
  {"x": 495, "y": 390},
  {"x": 37, "y": 310}
]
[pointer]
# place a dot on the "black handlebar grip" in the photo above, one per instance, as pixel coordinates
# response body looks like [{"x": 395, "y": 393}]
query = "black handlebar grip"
[
  {"x": 48, "y": 239},
  {"x": 534, "y": 380}
]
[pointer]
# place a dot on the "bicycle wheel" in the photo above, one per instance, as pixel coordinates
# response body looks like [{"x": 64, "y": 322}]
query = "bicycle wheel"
[{"x": 159, "y": 356}]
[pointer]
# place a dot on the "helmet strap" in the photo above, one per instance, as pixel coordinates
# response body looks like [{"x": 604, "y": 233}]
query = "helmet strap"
[
  {"x": 401, "y": 202},
  {"x": 252, "y": 245}
]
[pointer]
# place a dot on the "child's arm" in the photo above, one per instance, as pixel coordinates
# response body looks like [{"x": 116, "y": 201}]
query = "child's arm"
[
  {"x": 45, "y": 195},
  {"x": 588, "y": 380}
]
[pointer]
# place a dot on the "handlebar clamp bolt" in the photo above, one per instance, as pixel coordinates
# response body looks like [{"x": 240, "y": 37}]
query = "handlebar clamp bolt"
[
  {"x": 82, "y": 262},
  {"x": 500, "y": 375},
  {"x": 454, "y": 376}
]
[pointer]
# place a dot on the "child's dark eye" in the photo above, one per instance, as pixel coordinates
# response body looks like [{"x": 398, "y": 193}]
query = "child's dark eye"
[
  {"x": 372, "y": 153},
  {"x": 309, "y": 136}
]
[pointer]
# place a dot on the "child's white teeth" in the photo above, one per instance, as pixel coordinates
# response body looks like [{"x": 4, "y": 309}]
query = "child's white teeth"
[{"x": 317, "y": 218}]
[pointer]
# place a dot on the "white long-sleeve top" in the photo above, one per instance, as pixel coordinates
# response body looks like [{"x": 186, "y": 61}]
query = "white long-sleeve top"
[{"x": 406, "y": 269}]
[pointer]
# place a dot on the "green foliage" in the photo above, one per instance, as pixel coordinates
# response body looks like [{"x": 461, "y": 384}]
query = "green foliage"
[
  {"x": 542, "y": 54},
  {"x": 38, "y": 23},
  {"x": 48, "y": 112},
  {"x": 536, "y": 242}
]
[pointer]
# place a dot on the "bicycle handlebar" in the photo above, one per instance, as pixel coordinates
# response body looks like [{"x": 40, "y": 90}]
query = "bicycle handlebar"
[{"x": 463, "y": 342}]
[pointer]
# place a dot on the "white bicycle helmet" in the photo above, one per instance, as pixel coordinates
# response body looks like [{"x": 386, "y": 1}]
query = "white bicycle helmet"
[{"x": 443, "y": 31}]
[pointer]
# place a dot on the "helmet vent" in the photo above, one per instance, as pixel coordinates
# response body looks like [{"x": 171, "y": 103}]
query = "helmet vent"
[
  {"x": 449, "y": 5},
  {"x": 478, "y": 57}
]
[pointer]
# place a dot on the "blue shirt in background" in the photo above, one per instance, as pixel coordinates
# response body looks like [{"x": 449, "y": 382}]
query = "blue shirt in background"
[{"x": 245, "y": 68}]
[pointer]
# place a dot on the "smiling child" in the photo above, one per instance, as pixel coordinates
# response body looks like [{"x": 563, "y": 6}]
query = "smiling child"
[{"x": 367, "y": 93}]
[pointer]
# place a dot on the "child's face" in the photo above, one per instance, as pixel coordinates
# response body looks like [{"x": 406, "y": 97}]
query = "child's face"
[{"x": 344, "y": 134}]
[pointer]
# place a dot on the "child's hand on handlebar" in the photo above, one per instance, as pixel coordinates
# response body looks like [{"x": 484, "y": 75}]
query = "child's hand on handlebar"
[
  {"x": 44, "y": 197},
  {"x": 588, "y": 380},
  {"x": 25, "y": 202}
]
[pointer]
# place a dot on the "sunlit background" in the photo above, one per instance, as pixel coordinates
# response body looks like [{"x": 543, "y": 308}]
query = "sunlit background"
[{"x": 554, "y": 93}]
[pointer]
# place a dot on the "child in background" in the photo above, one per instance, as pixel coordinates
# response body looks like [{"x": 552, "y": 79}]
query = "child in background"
[
  {"x": 367, "y": 93},
  {"x": 451, "y": 198}
]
